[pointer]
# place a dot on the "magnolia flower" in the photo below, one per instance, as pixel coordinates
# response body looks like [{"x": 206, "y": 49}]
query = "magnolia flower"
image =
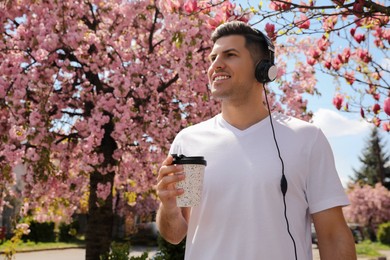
[
  {"x": 376, "y": 108},
  {"x": 270, "y": 30},
  {"x": 277, "y": 6},
  {"x": 191, "y": 6},
  {"x": 359, "y": 37},
  {"x": 350, "y": 77},
  {"x": 386, "y": 106},
  {"x": 303, "y": 22},
  {"x": 376, "y": 121},
  {"x": 386, "y": 126},
  {"x": 338, "y": 101}
]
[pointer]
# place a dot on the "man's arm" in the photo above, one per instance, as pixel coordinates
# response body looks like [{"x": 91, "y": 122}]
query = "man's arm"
[
  {"x": 171, "y": 220},
  {"x": 335, "y": 239},
  {"x": 172, "y": 224}
]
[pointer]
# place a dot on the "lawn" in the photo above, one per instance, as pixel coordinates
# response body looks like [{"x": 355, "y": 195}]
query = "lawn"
[
  {"x": 368, "y": 248},
  {"x": 31, "y": 246}
]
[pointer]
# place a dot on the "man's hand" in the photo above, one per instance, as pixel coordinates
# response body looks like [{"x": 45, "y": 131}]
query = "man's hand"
[
  {"x": 171, "y": 220},
  {"x": 168, "y": 176}
]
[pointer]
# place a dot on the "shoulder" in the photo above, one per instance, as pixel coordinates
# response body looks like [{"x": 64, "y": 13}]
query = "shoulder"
[
  {"x": 294, "y": 124},
  {"x": 203, "y": 126}
]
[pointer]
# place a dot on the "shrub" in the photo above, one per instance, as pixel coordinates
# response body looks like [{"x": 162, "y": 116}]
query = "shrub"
[
  {"x": 68, "y": 232},
  {"x": 383, "y": 233},
  {"x": 40, "y": 232},
  {"x": 121, "y": 251},
  {"x": 167, "y": 251}
]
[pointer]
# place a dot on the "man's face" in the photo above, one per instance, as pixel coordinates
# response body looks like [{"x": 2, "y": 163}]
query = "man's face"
[{"x": 231, "y": 73}]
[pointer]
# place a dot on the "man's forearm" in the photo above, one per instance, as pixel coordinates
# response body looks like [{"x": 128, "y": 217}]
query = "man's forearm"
[
  {"x": 341, "y": 249},
  {"x": 171, "y": 224}
]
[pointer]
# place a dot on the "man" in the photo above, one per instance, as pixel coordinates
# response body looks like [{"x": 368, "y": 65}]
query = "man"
[{"x": 245, "y": 212}]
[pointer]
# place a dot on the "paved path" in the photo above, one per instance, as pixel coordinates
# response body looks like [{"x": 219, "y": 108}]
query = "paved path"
[
  {"x": 79, "y": 254},
  {"x": 70, "y": 254}
]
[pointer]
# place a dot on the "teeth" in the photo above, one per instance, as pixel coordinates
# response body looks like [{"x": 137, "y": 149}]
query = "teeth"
[{"x": 221, "y": 78}]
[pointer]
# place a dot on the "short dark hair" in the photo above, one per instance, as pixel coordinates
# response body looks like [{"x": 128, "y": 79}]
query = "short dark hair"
[{"x": 255, "y": 41}]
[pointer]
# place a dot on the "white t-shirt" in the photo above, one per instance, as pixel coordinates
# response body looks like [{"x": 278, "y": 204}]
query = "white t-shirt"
[{"x": 241, "y": 215}]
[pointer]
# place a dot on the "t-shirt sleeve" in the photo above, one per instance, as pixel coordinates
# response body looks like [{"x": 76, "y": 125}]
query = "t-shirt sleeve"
[
  {"x": 324, "y": 188},
  {"x": 176, "y": 147}
]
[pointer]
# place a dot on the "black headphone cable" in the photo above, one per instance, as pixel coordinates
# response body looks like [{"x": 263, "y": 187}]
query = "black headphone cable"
[{"x": 283, "y": 181}]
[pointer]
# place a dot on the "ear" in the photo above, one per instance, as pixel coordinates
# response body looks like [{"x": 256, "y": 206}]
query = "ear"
[{"x": 265, "y": 71}]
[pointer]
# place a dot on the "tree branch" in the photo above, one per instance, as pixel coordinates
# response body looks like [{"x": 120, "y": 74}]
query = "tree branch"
[{"x": 164, "y": 85}]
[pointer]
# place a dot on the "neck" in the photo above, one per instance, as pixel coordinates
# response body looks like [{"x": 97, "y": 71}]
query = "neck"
[{"x": 244, "y": 115}]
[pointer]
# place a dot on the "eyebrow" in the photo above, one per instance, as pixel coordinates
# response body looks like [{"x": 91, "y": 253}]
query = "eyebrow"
[{"x": 225, "y": 51}]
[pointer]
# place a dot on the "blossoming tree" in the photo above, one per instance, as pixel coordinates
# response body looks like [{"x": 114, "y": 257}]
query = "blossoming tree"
[
  {"x": 370, "y": 206},
  {"x": 91, "y": 95},
  {"x": 306, "y": 33}
]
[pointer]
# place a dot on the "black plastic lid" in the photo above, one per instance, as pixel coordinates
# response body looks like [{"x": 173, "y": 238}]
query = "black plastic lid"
[{"x": 182, "y": 159}]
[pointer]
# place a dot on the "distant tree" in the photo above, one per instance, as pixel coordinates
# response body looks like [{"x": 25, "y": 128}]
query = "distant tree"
[
  {"x": 370, "y": 206},
  {"x": 376, "y": 163}
]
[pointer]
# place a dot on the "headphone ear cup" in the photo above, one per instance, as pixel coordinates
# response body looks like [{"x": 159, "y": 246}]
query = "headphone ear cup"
[{"x": 265, "y": 71}]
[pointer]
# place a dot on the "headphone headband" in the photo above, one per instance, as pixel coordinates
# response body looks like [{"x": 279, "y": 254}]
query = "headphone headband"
[
  {"x": 268, "y": 41},
  {"x": 266, "y": 70}
]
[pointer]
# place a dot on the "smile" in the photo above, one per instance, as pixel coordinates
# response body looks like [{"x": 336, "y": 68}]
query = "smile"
[{"x": 218, "y": 78}]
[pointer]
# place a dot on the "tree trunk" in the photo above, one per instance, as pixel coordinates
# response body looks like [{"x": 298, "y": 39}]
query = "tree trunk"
[
  {"x": 100, "y": 220},
  {"x": 101, "y": 217}
]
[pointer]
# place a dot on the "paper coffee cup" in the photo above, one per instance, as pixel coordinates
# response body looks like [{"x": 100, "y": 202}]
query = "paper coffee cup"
[{"x": 192, "y": 185}]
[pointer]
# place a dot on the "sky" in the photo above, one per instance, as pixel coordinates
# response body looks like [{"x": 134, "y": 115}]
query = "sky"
[{"x": 347, "y": 133}]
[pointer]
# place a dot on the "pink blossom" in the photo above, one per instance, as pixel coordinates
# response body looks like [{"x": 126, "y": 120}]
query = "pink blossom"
[
  {"x": 191, "y": 6},
  {"x": 323, "y": 44},
  {"x": 363, "y": 55},
  {"x": 358, "y": 8},
  {"x": 376, "y": 108},
  {"x": 350, "y": 77},
  {"x": 338, "y": 101},
  {"x": 329, "y": 22},
  {"x": 278, "y": 6},
  {"x": 376, "y": 96},
  {"x": 336, "y": 63},
  {"x": 359, "y": 37},
  {"x": 311, "y": 61},
  {"x": 303, "y": 22},
  {"x": 369, "y": 205},
  {"x": 327, "y": 64},
  {"x": 386, "y": 126},
  {"x": 352, "y": 31},
  {"x": 103, "y": 190},
  {"x": 270, "y": 30},
  {"x": 376, "y": 121},
  {"x": 24, "y": 228},
  {"x": 386, "y": 106},
  {"x": 376, "y": 75}
]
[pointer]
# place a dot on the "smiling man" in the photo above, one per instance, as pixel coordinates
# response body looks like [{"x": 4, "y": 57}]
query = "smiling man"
[{"x": 267, "y": 176}]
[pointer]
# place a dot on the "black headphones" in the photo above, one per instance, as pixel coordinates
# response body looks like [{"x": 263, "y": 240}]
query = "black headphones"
[{"x": 266, "y": 70}]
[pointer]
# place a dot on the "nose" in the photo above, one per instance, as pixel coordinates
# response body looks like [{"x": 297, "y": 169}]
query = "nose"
[{"x": 216, "y": 65}]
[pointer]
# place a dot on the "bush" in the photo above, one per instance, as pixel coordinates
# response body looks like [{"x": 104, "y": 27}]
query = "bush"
[
  {"x": 121, "y": 251},
  {"x": 40, "y": 232},
  {"x": 68, "y": 232},
  {"x": 383, "y": 233},
  {"x": 167, "y": 251}
]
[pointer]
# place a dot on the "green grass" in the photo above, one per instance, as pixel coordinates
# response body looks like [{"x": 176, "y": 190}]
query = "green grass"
[
  {"x": 31, "y": 246},
  {"x": 368, "y": 248}
]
